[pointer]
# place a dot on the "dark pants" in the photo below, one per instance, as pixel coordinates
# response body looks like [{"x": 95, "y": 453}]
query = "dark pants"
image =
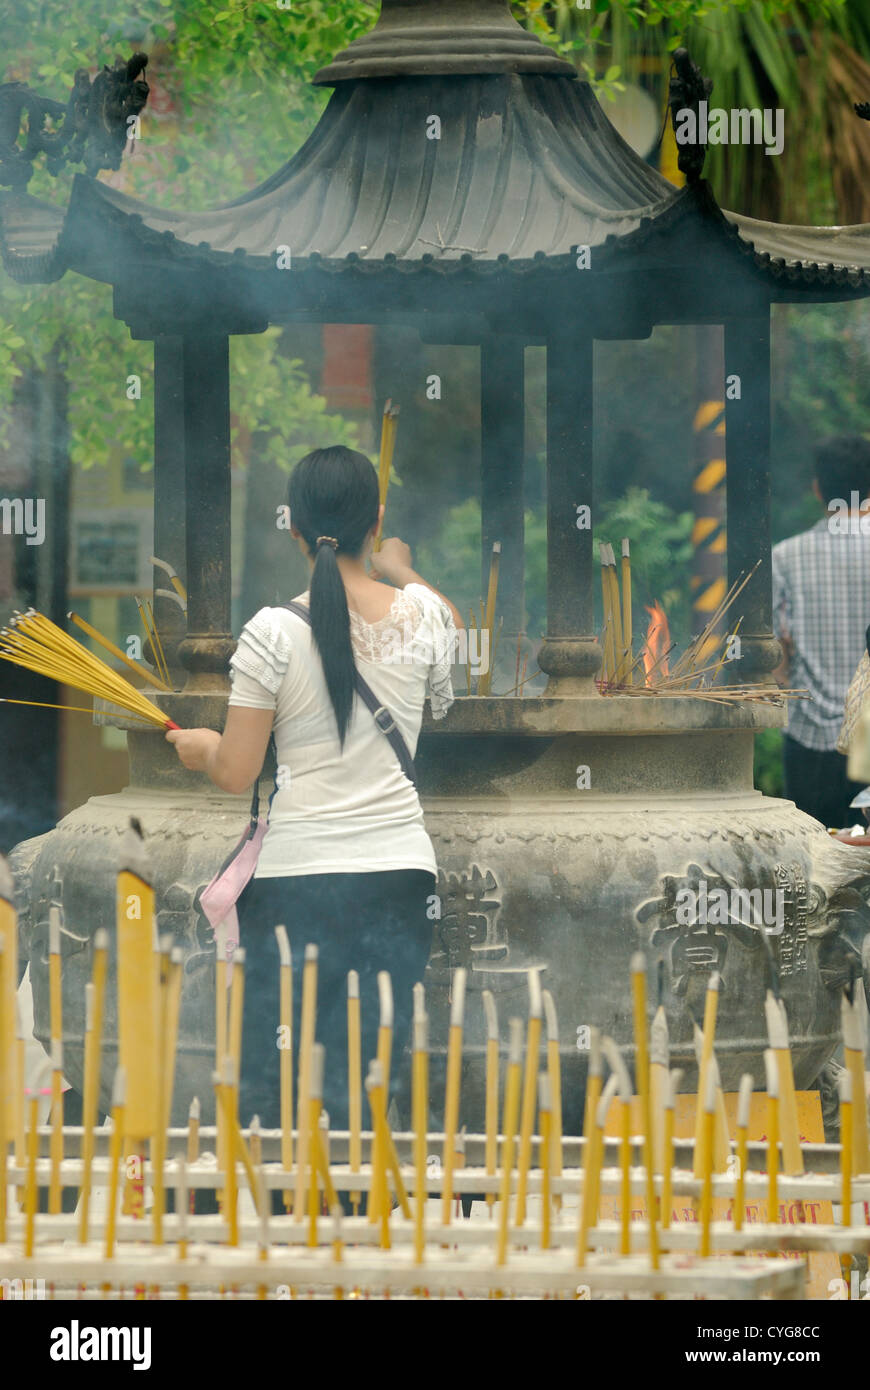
[
  {"x": 817, "y": 783},
  {"x": 359, "y": 921}
]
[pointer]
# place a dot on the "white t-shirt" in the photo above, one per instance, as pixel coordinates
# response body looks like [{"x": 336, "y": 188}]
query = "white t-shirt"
[{"x": 350, "y": 810}]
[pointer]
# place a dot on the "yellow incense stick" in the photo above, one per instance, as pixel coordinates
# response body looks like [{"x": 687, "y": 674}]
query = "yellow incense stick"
[
  {"x": 509, "y": 1126},
  {"x": 709, "y": 1116},
  {"x": 137, "y": 998},
  {"x": 609, "y": 644},
  {"x": 530, "y": 1089},
  {"x": 846, "y": 1148},
  {"x": 853, "y": 1057},
  {"x": 158, "y": 1140},
  {"x": 772, "y": 1075},
  {"x": 619, "y": 656},
  {"x": 545, "y": 1160},
  {"x": 306, "y": 1043},
  {"x": 777, "y": 1037},
  {"x": 119, "y": 1089},
  {"x": 6, "y": 1073},
  {"x": 744, "y": 1099},
  {"x": 659, "y": 1082},
  {"x": 10, "y": 1097},
  {"x": 170, "y": 572},
  {"x": 491, "y": 1154},
  {"x": 485, "y": 683},
  {"x": 385, "y": 461},
  {"x": 30, "y": 1182},
  {"x": 56, "y": 1028},
  {"x": 56, "y": 1150},
  {"x": 627, "y": 635},
  {"x": 116, "y": 651},
  {"x": 237, "y": 1004},
  {"x": 221, "y": 1005},
  {"x": 451, "y": 1097},
  {"x": 379, "y": 1190},
  {"x": 224, "y": 1103},
  {"x": 315, "y": 1090},
  {"x": 674, "y": 1079},
  {"x": 638, "y": 986},
  {"x": 554, "y": 1071},
  {"x": 354, "y": 1081},
  {"x": 164, "y": 669},
  {"x": 285, "y": 1044},
  {"x": 593, "y": 1153},
  {"x": 95, "y": 1006},
  {"x": 385, "y": 1050},
  {"x": 151, "y": 634},
  {"x": 711, "y": 1004},
  {"x": 420, "y": 1118}
]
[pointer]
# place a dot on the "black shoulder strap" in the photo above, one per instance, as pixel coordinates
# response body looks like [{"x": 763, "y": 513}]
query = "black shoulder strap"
[{"x": 382, "y": 716}]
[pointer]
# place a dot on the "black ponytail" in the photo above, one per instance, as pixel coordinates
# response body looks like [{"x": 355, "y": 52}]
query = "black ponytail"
[{"x": 333, "y": 497}]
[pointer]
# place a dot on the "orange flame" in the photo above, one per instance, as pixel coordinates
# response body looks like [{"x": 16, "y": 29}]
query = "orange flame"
[{"x": 658, "y": 641}]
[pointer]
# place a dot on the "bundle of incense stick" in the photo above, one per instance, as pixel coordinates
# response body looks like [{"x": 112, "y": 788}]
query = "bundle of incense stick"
[
  {"x": 34, "y": 642},
  {"x": 695, "y": 672},
  {"x": 389, "y": 425},
  {"x": 536, "y": 1244}
]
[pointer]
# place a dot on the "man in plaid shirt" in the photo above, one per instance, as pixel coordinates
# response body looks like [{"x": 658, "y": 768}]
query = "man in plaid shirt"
[{"x": 821, "y": 606}]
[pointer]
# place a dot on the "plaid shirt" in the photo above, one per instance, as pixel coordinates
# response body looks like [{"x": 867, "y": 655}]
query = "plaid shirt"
[{"x": 821, "y": 599}]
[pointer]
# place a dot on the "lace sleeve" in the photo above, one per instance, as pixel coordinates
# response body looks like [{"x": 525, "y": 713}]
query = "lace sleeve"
[
  {"x": 262, "y": 655},
  {"x": 443, "y": 637}
]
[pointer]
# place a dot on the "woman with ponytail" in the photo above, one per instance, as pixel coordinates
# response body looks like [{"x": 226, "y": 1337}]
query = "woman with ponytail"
[{"x": 346, "y": 862}]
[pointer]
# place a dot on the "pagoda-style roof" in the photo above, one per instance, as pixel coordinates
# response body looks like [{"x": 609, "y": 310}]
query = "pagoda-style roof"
[{"x": 526, "y": 169}]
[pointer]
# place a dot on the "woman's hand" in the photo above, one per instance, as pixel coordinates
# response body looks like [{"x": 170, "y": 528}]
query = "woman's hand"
[
  {"x": 195, "y": 747},
  {"x": 392, "y": 562}
]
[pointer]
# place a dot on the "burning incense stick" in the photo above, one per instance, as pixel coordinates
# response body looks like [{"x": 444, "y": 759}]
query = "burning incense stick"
[
  {"x": 420, "y": 1119},
  {"x": 659, "y": 1058},
  {"x": 491, "y": 1088},
  {"x": 237, "y": 1005},
  {"x": 530, "y": 1089},
  {"x": 385, "y": 1050},
  {"x": 95, "y": 1004},
  {"x": 484, "y": 685},
  {"x": 451, "y": 1097},
  {"x": 56, "y": 1029},
  {"x": 509, "y": 1127},
  {"x": 619, "y": 1069},
  {"x": 354, "y": 1081},
  {"x": 6, "y": 1058},
  {"x": 286, "y": 1058},
  {"x": 711, "y": 1004},
  {"x": 314, "y": 1104},
  {"x": 56, "y": 1150},
  {"x": 306, "y": 1043},
  {"x": 627, "y": 635},
  {"x": 119, "y": 1091},
  {"x": 670, "y": 1102},
  {"x": 638, "y": 983},
  {"x": 170, "y": 572},
  {"x": 545, "y": 1111},
  {"x": 389, "y": 425},
  {"x": 374, "y": 1090},
  {"x": 744, "y": 1100},
  {"x": 158, "y": 1140},
  {"x": 592, "y": 1155},
  {"x": 772, "y": 1076},
  {"x": 853, "y": 1056},
  {"x": 777, "y": 1037},
  {"x": 609, "y": 643},
  {"x": 137, "y": 995},
  {"x": 30, "y": 1182},
  {"x": 707, "y": 1128},
  {"x": 554, "y": 1071},
  {"x": 10, "y": 1096},
  {"x": 845, "y": 1082}
]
